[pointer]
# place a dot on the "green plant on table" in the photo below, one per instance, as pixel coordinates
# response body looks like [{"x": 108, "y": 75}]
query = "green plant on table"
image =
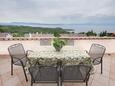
[{"x": 58, "y": 43}]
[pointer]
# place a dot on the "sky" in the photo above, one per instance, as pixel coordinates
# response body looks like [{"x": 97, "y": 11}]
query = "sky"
[{"x": 58, "y": 11}]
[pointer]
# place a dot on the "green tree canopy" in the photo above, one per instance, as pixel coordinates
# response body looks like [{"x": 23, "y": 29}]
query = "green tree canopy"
[
  {"x": 91, "y": 33},
  {"x": 103, "y": 33},
  {"x": 21, "y": 30}
]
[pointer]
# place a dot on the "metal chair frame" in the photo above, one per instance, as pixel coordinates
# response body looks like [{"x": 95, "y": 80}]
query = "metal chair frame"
[
  {"x": 39, "y": 77},
  {"x": 64, "y": 78},
  {"x": 96, "y": 57},
  {"x": 18, "y": 59}
]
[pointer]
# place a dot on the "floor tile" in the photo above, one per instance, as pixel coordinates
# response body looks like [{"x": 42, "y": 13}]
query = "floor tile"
[
  {"x": 112, "y": 83},
  {"x": 96, "y": 79}
]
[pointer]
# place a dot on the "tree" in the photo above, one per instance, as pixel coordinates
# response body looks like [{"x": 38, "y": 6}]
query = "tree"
[
  {"x": 82, "y": 33},
  {"x": 103, "y": 33},
  {"x": 110, "y": 34},
  {"x": 91, "y": 33},
  {"x": 56, "y": 34},
  {"x": 21, "y": 30},
  {"x": 1, "y": 30},
  {"x": 18, "y": 34}
]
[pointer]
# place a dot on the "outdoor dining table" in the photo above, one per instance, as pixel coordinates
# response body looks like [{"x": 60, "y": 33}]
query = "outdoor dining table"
[{"x": 68, "y": 55}]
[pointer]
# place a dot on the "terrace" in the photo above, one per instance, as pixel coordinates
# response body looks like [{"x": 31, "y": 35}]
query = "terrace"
[{"x": 96, "y": 79}]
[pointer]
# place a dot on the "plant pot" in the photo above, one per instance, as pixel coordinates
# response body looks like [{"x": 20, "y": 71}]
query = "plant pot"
[
  {"x": 58, "y": 44},
  {"x": 57, "y": 48}
]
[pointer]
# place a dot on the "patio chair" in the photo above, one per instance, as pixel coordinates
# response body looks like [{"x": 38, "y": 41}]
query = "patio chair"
[
  {"x": 96, "y": 53},
  {"x": 75, "y": 73},
  {"x": 44, "y": 74},
  {"x": 18, "y": 57}
]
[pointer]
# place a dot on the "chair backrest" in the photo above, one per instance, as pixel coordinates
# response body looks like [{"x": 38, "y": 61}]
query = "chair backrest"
[
  {"x": 75, "y": 72},
  {"x": 96, "y": 51},
  {"x": 44, "y": 73},
  {"x": 16, "y": 51}
]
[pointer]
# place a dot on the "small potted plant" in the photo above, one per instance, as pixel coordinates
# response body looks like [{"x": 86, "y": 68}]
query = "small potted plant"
[{"x": 57, "y": 42}]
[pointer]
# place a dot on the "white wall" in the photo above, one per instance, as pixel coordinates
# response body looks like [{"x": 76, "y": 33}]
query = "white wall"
[
  {"x": 35, "y": 44},
  {"x": 85, "y": 44}
]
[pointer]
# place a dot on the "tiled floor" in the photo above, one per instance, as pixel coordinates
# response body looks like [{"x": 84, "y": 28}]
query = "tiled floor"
[{"x": 97, "y": 79}]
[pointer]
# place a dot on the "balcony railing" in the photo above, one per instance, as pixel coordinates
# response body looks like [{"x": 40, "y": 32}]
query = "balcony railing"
[{"x": 47, "y": 38}]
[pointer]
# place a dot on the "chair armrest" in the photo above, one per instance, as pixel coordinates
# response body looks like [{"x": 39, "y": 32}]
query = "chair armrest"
[
  {"x": 96, "y": 59},
  {"x": 86, "y": 51},
  {"x": 28, "y": 52}
]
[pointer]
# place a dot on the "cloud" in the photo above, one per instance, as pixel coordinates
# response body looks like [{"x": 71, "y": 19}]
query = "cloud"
[{"x": 55, "y": 11}]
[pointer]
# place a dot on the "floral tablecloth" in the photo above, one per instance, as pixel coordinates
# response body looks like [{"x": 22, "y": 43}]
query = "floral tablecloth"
[{"x": 66, "y": 56}]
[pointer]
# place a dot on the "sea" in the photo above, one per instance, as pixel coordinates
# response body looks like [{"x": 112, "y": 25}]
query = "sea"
[
  {"x": 83, "y": 27},
  {"x": 75, "y": 27}
]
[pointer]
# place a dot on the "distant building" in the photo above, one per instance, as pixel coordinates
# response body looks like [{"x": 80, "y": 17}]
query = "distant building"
[
  {"x": 73, "y": 35},
  {"x": 113, "y": 34},
  {"x": 38, "y": 35},
  {"x": 7, "y": 35},
  {"x": 28, "y": 35}
]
